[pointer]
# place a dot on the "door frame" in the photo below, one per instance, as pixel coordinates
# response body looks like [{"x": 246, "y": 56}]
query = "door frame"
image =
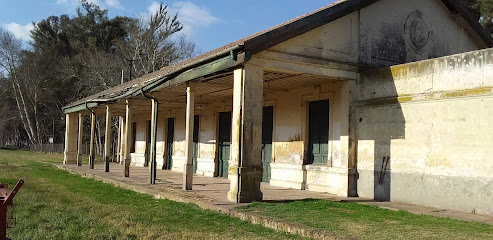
[
  {"x": 166, "y": 132},
  {"x": 216, "y": 132},
  {"x": 273, "y": 104},
  {"x": 271, "y": 143},
  {"x": 196, "y": 145},
  {"x": 305, "y": 113}
]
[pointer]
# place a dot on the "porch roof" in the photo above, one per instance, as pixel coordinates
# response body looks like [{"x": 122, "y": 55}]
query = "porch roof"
[{"x": 238, "y": 52}]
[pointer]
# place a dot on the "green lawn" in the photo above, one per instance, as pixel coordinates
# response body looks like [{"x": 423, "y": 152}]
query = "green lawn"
[
  {"x": 54, "y": 204},
  {"x": 369, "y": 222}
]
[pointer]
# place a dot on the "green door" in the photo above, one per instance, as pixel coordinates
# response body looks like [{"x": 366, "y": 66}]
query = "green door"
[
  {"x": 169, "y": 143},
  {"x": 267, "y": 125},
  {"x": 224, "y": 143},
  {"x": 148, "y": 144},
  {"x": 195, "y": 141},
  {"x": 318, "y": 131}
]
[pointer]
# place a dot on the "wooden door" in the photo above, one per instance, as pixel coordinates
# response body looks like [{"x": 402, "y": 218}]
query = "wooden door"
[
  {"x": 170, "y": 132},
  {"x": 224, "y": 143},
  {"x": 196, "y": 130},
  {"x": 267, "y": 126},
  {"x": 148, "y": 144},
  {"x": 318, "y": 131}
]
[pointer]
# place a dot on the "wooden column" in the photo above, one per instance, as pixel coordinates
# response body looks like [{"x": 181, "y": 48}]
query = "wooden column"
[
  {"x": 188, "y": 168},
  {"x": 107, "y": 140},
  {"x": 118, "y": 150},
  {"x": 79, "y": 140},
  {"x": 91, "y": 147},
  {"x": 70, "y": 153},
  {"x": 152, "y": 164},
  {"x": 121, "y": 141},
  {"x": 245, "y": 169},
  {"x": 128, "y": 139}
]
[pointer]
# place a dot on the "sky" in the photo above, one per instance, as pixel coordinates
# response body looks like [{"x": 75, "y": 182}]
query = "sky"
[{"x": 208, "y": 23}]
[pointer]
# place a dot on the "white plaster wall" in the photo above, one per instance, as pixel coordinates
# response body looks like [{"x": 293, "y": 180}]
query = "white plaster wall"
[
  {"x": 433, "y": 118},
  {"x": 138, "y": 157},
  {"x": 160, "y": 141},
  {"x": 337, "y": 40},
  {"x": 383, "y": 38},
  {"x": 376, "y": 35},
  {"x": 207, "y": 143},
  {"x": 179, "y": 141},
  {"x": 291, "y": 137}
]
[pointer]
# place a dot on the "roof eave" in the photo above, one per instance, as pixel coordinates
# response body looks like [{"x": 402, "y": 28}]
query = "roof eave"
[
  {"x": 303, "y": 25},
  {"x": 226, "y": 59}
]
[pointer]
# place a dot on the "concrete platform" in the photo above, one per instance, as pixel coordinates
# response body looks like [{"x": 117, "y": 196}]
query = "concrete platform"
[{"x": 211, "y": 193}]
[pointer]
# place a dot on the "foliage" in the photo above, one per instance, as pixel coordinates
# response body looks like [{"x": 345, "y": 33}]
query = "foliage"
[
  {"x": 54, "y": 204},
  {"x": 72, "y": 57},
  {"x": 482, "y": 10}
]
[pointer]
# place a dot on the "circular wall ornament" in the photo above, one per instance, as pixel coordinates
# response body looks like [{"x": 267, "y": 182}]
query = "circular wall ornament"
[{"x": 416, "y": 31}]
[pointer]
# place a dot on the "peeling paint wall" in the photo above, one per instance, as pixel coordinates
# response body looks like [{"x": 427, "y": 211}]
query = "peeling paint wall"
[
  {"x": 337, "y": 40},
  {"x": 386, "y": 33},
  {"x": 400, "y": 31},
  {"x": 138, "y": 157},
  {"x": 289, "y": 168},
  {"x": 207, "y": 144},
  {"x": 179, "y": 141},
  {"x": 433, "y": 120},
  {"x": 160, "y": 141}
]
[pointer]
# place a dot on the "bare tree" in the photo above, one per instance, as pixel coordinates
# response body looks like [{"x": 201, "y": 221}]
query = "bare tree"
[
  {"x": 10, "y": 58},
  {"x": 152, "y": 44}
]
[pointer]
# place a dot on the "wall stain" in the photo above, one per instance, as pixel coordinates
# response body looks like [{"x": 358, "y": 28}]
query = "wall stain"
[
  {"x": 295, "y": 138},
  {"x": 467, "y": 92},
  {"x": 390, "y": 44}
]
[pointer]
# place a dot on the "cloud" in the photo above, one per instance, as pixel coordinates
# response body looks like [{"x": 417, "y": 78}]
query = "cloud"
[
  {"x": 20, "y": 31},
  {"x": 114, "y": 4},
  {"x": 154, "y": 7},
  {"x": 190, "y": 15}
]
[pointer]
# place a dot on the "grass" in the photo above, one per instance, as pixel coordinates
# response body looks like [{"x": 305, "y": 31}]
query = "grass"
[
  {"x": 54, "y": 204},
  {"x": 370, "y": 222}
]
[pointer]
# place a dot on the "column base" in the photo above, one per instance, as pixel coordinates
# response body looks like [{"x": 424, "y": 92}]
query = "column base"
[
  {"x": 247, "y": 187},
  {"x": 126, "y": 168},
  {"x": 106, "y": 164},
  {"x": 187, "y": 176},
  {"x": 70, "y": 158},
  {"x": 79, "y": 159},
  {"x": 91, "y": 162}
]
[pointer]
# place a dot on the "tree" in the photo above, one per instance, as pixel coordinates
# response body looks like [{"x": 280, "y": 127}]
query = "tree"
[
  {"x": 10, "y": 59},
  {"x": 73, "y": 57},
  {"x": 151, "y": 46},
  {"x": 482, "y": 10}
]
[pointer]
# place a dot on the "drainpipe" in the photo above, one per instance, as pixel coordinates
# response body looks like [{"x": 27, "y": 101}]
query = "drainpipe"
[{"x": 154, "y": 113}]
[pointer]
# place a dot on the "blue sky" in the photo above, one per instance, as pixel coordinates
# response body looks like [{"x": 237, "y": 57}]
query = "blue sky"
[{"x": 210, "y": 24}]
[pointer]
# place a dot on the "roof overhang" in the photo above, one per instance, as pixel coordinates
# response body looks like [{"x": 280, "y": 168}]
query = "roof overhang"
[{"x": 227, "y": 59}]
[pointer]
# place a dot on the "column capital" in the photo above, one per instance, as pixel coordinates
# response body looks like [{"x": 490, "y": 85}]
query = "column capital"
[{"x": 191, "y": 86}]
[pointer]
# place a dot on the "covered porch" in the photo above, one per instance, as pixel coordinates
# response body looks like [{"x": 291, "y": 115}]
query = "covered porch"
[{"x": 247, "y": 121}]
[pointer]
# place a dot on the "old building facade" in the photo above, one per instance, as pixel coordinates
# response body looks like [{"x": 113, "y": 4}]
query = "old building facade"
[{"x": 359, "y": 98}]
